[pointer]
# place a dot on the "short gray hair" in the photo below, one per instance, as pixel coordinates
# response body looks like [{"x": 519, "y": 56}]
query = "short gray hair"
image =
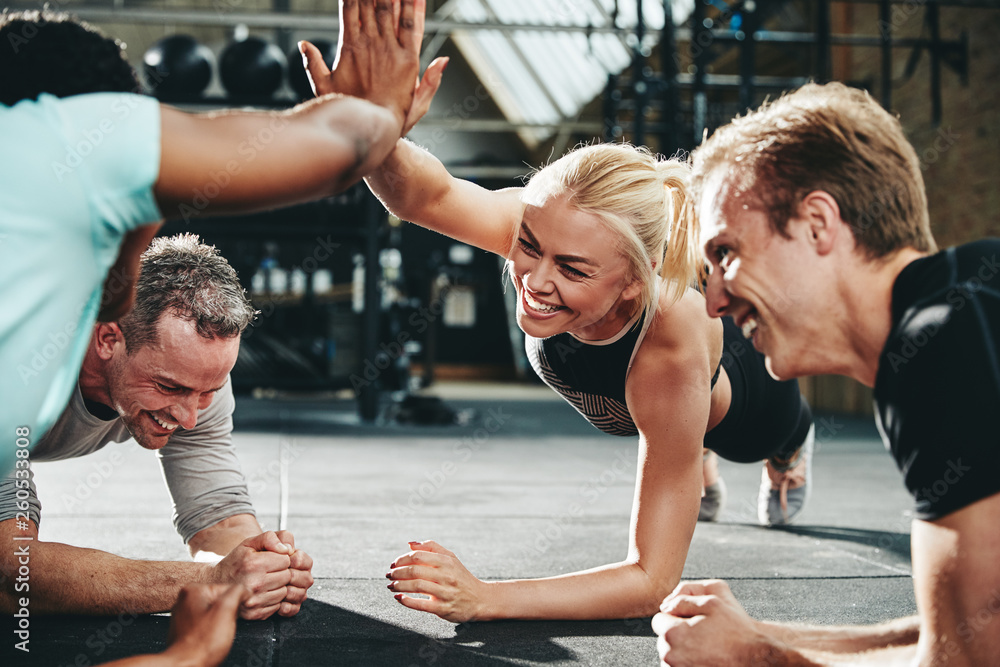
[{"x": 182, "y": 276}]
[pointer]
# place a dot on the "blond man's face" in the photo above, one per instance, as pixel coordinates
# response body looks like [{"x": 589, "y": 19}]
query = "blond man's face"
[{"x": 761, "y": 279}]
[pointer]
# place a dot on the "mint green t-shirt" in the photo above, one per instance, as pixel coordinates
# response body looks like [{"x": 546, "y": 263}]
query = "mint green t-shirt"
[{"x": 77, "y": 174}]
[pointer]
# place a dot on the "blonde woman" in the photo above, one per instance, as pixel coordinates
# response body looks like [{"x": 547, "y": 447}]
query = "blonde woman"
[
  {"x": 603, "y": 284},
  {"x": 602, "y": 267}
]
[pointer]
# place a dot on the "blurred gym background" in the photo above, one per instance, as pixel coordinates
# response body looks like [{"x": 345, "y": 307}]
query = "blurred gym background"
[{"x": 358, "y": 305}]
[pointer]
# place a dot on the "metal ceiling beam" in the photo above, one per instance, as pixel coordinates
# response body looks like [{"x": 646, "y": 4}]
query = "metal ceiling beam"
[
  {"x": 525, "y": 61},
  {"x": 436, "y": 40},
  {"x": 224, "y": 18},
  {"x": 97, "y": 14},
  {"x": 611, "y": 22}
]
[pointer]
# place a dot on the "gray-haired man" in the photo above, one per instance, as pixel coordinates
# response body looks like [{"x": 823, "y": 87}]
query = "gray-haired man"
[{"x": 160, "y": 375}]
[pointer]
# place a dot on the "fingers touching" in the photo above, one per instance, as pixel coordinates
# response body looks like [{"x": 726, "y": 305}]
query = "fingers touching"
[
  {"x": 269, "y": 541},
  {"x": 312, "y": 60},
  {"x": 378, "y": 58},
  {"x": 276, "y": 574},
  {"x": 427, "y": 87}
]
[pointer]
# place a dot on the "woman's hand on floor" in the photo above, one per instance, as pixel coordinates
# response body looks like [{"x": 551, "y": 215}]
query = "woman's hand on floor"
[{"x": 430, "y": 569}]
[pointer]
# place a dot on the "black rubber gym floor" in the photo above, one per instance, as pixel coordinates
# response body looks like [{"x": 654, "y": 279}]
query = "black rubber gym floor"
[{"x": 498, "y": 492}]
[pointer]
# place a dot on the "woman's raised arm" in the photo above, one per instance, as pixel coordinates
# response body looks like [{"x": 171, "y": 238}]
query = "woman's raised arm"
[{"x": 416, "y": 187}]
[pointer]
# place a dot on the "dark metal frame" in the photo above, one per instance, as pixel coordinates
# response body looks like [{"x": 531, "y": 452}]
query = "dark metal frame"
[{"x": 661, "y": 90}]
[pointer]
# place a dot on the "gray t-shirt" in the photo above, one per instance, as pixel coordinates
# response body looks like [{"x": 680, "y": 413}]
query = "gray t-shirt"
[{"x": 199, "y": 465}]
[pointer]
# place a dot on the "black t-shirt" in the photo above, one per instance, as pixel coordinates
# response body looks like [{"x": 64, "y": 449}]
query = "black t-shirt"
[{"x": 937, "y": 392}]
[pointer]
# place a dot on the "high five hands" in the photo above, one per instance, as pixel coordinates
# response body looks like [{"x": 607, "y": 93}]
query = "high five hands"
[
  {"x": 430, "y": 569},
  {"x": 378, "y": 58}
]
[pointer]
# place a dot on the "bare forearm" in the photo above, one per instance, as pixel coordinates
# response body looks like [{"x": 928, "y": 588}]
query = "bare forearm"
[
  {"x": 723, "y": 633},
  {"x": 764, "y": 645},
  {"x": 893, "y": 643},
  {"x": 252, "y": 161},
  {"x": 416, "y": 187},
  {"x": 215, "y": 542},
  {"x": 66, "y": 579},
  {"x": 373, "y": 141},
  {"x": 622, "y": 590},
  {"x": 898, "y": 656},
  {"x": 849, "y": 639},
  {"x": 409, "y": 181}
]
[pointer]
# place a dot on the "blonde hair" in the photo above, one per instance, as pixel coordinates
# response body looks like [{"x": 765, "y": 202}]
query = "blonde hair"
[
  {"x": 831, "y": 138},
  {"x": 642, "y": 199}
]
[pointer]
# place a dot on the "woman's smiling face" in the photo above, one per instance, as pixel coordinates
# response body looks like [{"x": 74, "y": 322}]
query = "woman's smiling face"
[{"x": 569, "y": 273}]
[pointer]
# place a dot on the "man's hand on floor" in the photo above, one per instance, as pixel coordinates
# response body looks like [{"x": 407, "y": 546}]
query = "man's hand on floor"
[{"x": 275, "y": 573}]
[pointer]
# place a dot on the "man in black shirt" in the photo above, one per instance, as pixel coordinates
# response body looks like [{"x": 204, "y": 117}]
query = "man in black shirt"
[{"x": 815, "y": 225}]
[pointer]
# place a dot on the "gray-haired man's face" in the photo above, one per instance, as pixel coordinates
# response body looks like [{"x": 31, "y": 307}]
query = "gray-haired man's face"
[{"x": 161, "y": 387}]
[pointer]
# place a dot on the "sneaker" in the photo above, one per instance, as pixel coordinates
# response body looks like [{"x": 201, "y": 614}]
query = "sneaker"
[
  {"x": 713, "y": 501},
  {"x": 784, "y": 485}
]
